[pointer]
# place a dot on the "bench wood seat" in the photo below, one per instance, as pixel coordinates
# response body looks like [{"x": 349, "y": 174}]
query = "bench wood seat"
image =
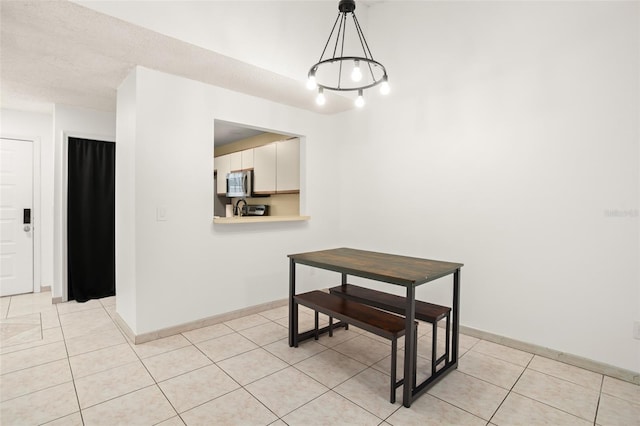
[
  {"x": 373, "y": 320},
  {"x": 424, "y": 311}
]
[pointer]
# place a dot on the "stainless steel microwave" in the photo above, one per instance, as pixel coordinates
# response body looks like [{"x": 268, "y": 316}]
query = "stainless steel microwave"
[{"x": 240, "y": 184}]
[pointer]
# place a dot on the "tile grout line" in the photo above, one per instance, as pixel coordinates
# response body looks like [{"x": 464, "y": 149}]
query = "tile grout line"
[
  {"x": 109, "y": 399},
  {"x": 382, "y": 420},
  {"x": 73, "y": 380},
  {"x": 456, "y": 407},
  {"x": 619, "y": 398},
  {"x": 569, "y": 381},
  {"x": 338, "y": 384},
  {"x": 329, "y": 389},
  {"x": 213, "y": 363},
  {"x": 528, "y": 397},
  {"x": 258, "y": 399},
  {"x": 460, "y": 408},
  {"x": 9, "y": 306},
  {"x": 550, "y": 406},
  {"x": 28, "y": 349},
  {"x": 510, "y": 390},
  {"x": 501, "y": 359},
  {"x": 477, "y": 378},
  {"x": 238, "y": 383},
  {"x": 41, "y": 327},
  {"x": 39, "y": 390},
  {"x": 155, "y": 382},
  {"x": 544, "y": 403},
  {"x": 243, "y": 387},
  {"x": 595, "y": 416},
  {"x": 538, "y": 371}
]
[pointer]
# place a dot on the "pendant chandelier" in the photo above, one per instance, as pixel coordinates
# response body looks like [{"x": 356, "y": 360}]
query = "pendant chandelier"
[{"x": 347, "y": 73}]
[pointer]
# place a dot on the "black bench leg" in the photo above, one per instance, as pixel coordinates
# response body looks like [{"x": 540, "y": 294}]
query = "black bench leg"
[
  {"x": 316, "y": 323},
  {"x": 330, "y": 326},
  {"x": 434, "y": 347},
  {"x": 394, "y": 353}
]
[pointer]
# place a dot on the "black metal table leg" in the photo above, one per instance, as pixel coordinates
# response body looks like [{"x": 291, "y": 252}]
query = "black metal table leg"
[
  {"x": 456, "y": 317},
  {"x": 344, "y": 283},
  {"x": 293, "y": 310},
  {"x": 409, "y": 349}
]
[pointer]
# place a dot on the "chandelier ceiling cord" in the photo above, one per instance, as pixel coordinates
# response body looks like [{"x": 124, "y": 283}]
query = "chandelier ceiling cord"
[{"x": 328, "y": 73}]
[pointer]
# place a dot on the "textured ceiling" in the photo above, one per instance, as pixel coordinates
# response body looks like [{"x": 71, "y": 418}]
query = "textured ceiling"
[
  {"x": 225, "y": 132},
  {"x": 60, "y": 52}
]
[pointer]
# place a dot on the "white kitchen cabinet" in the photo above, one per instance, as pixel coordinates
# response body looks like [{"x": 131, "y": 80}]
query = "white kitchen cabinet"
[
  {"x": 264, "y": 169},
  {"x": 235, "y": 161},
  {"x": 288, "y": 166},
  {"x": 247, "y": 159},
  {"x": 222, "y": 164}
]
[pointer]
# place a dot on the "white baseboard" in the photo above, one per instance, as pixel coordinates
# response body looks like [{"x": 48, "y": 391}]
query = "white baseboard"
[
  {"x": 181, "y": 328},
  {"x": 575, "y": 360}
]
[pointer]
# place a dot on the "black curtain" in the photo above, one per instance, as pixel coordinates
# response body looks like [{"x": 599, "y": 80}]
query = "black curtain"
[{"x": 91, "y": 224}]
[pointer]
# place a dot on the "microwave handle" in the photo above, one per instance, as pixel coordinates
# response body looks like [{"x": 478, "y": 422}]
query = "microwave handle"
[{"x": 245, "y": 183}]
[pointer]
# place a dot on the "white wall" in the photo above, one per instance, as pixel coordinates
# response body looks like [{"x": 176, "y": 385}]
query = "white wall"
[
  {"x": 125, "y": 200},
  {"x": 186, "y": 268},
  {"x": 31, "y": 125},
  {"x": 509, "y": 137},
  {"x": 285, "y": 37},
  {"x": 81, "y": 122}
]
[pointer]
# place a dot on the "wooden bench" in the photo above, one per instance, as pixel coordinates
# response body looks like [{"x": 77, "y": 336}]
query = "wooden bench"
[
  {"x": 427, "y": 312},
  {"x": 378, "y": 322}
]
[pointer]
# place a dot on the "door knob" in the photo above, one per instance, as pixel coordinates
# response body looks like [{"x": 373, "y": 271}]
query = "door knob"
[{"x": 27, "y": 228}]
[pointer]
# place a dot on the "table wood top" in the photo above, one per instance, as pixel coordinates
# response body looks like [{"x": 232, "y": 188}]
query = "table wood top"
[{"x": 391, "y": 268}]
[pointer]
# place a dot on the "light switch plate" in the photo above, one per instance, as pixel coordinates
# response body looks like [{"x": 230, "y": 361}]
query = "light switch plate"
[{"x": 161, "y": 214}]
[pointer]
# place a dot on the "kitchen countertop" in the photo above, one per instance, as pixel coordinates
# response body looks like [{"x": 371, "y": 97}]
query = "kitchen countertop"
[{"x": 258, "y": 219}]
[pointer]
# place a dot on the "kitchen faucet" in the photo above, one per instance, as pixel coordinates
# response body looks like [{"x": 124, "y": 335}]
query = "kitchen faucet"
[{"x": 238, "y": 211}]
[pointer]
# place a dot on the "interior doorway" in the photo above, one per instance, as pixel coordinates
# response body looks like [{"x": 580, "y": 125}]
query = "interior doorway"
[{"x": 90, "y": 219}]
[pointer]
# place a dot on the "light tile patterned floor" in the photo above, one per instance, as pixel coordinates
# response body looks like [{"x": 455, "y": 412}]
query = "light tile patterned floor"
[{"x": 69, "y": 364}]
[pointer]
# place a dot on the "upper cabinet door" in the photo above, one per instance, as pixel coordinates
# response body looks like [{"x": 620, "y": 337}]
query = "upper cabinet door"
[
  {"x": 288, "y": 166},
  {"x": 235, "y": 160},
  {"x": 264, "y": 169},
  {"x": 247, "y": 159},
  {"x": 222, "y": 165}
]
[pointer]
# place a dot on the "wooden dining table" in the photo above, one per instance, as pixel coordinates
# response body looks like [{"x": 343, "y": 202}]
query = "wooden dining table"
[{"x": 408, "y": 272}]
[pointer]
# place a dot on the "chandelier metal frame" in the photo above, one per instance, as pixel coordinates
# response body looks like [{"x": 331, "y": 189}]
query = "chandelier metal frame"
[{"x": 346, "y": 7}]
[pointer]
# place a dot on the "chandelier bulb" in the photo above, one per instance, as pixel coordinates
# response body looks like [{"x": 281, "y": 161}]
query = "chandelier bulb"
[
  {"x": 356, "y": 73},
  {"x": 320, "y": 99},
  {"x": 359, "y": 100},
  {"x": 311, "y": 82},
  {"x": 384, "y": 87}
]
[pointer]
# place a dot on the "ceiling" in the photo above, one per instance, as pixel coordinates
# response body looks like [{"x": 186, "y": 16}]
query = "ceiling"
[
  {"x": 225, "y": 132},
  {"x": 60, "y": 52}
]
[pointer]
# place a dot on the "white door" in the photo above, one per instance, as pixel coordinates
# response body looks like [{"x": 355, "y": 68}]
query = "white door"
[{"x": 16, "y": 237}]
